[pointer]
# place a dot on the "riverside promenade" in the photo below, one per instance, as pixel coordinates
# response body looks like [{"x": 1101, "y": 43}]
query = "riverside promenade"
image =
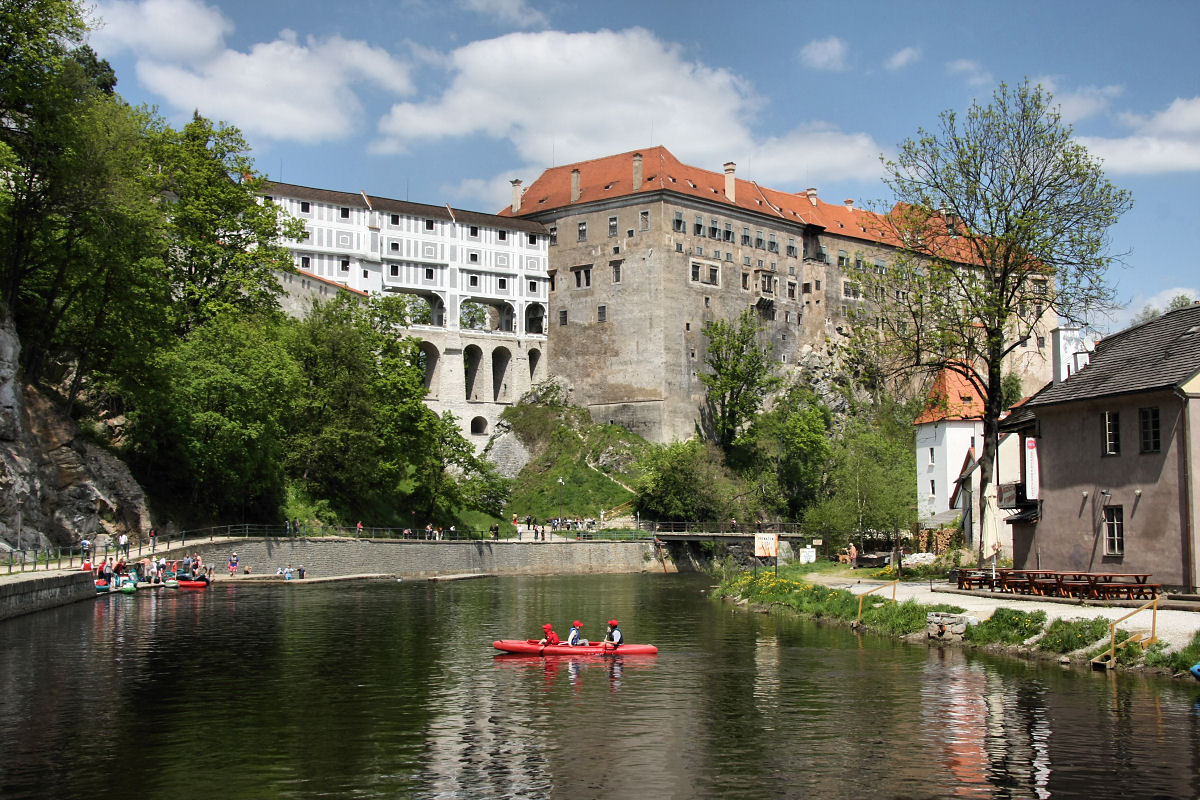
[
  {"x": 1176, "y": 623},
  {"x": 331, "y": 557}
]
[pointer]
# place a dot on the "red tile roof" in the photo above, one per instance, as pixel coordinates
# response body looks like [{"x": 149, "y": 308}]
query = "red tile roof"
[
  {"x": 952, "y": 397},
  {"x": 612, "y": 176}
]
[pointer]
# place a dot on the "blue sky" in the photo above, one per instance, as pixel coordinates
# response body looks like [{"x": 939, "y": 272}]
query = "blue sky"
[{"x": 445, "y": 101}]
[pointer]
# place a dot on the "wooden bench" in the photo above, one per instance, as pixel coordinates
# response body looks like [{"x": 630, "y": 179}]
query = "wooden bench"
[{"x": 974, "y": 579}]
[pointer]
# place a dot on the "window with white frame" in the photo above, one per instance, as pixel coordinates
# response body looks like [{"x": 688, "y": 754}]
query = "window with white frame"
[
  {"x": 1110, "y": 429},
  {"x": 1114, "y": 531}
]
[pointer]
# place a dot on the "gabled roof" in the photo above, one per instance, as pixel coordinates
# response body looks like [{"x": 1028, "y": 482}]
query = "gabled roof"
[
  {"x": 1160, "y": 354},
  {"x": 386, "y": 205},
  {"x": 612, "y": 177},
  {"x": 952, "y": 397}
]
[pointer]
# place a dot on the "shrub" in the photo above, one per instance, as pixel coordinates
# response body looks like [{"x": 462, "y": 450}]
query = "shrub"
[
  {"x": 1007, "y": 626},
  {"x": 1069, "y": 635}
]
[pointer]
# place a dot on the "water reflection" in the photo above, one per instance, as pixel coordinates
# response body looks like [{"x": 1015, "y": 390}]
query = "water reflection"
[{"x": 389, "y": 690}]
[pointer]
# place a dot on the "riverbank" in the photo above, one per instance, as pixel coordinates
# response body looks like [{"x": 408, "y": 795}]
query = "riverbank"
[
  {"x": 1175, "y": 628},
  {"x": 337, "y": 558}
]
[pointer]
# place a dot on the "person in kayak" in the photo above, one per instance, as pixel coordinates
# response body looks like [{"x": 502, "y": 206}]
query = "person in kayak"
[
  {"x": 614, "y": 636},
  {"x": 573, "y": 636},
  {"x": 548, "y": 635}
]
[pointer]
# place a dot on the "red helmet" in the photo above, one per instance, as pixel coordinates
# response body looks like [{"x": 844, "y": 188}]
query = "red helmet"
[
  {"x": 612, "y": 622},
  {"x": 577, "y": 624}
]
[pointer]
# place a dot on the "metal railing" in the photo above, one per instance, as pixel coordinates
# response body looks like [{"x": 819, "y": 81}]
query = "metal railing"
[
  {"x": 58, "y": 558},
  {"x": 729, "y": 527}
]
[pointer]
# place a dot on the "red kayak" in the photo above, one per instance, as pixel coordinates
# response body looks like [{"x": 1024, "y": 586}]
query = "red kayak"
[
  {"x": 530, "y": 647},
  {"x": 192, "y": 582}
]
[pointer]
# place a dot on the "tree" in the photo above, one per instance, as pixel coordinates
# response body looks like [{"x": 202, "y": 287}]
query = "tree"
[
  {"x": 872, "y": 476},
  {"x": 1001, "y": 218},
  {"x": 739, "y": 376},
  {"x": 684, "y": 481},
  {"x": 790, "y": 444},
  {"x": 224, "y": 243}
]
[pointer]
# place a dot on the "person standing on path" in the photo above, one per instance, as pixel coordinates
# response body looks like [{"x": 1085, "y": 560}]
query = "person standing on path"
[
  {"x": 853, "y": 556},
  {"x": 360, "y": 529},
  {"x": 233, "y": 564},
  {"x": 123, "y": 544}
]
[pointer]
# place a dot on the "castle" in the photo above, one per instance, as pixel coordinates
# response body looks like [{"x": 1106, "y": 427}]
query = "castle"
[
  {"x": 644, "y": 250},
  {"x": 604, "y": 273}
]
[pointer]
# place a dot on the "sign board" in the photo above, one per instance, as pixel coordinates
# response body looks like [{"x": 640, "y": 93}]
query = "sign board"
[
  {"x": 808, "y": 556},
  {"x": 818, "y": 542},
  {"x": 766, "y": 545},
  {"x": 1032, "y": 478},
  {"x": 1007, "y": 497}
]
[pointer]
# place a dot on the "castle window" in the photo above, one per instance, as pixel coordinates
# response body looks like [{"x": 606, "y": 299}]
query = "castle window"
[
  {"x": 759, "y": 241},
  {"x": 582, "y": 232},
  {"x": 714, "y": 229},
  {"x": 345, "y": 213},
  {"x": 395, "y": 247},
  {"x": 502, "y": 284},
  {"x": 473, "y": 231},
  {"x": 502, "y": 235},
  {"x": 679, "y": 224},
  {"x": 1110, "y": 429},
  {"x": 305, "y": 207},
  {"x": 429, "y": 273},
  {"x": 553, "y": 234},
  {"x": 698, "y": 228},
  {"x": 1114, "y": 531},
  {"x": 772, "y": 245},
  {"x": 729, "y": 231},
  {"x": 601, "y": 313},
  {"x": 532, "y": 238},
  {"x": 644, "y": 220},
  {"x": 616, "y": 271},
  {"x": 746, "y": 236},
  {"x": 843, "y": 259},
  {"x": 612, "y": 227},
  {"x": 473, "y": 281},
  {"x": 1151, "y": 436},
  {"x": 562, "y": 317},
  {"x": 345, "y": 265},
  {"x": 304, "y": 262},
  {"x": 395, "y": 219},
  {"x": 394, "y": 270},
  {"x": 428, "y": 224}
]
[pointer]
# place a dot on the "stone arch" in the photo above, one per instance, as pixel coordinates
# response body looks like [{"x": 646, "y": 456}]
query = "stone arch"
[
  {"x": 501, "y": 359},
  {"x": 535, "y": 318},
  {"x": 472, "y": 360},
  {"x": 535, "y": 360},
  {"x": 479, "y": 426},
  {"x": 430, "y": 359},
  {"x": 425, "y": 309}
]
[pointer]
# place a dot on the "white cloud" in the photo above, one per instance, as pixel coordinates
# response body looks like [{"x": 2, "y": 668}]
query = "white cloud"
[
  {"x": 562, "y": 97},
  {"x": 825, "y": 54},
  {"x": 972, "y": 71},
  {"x": 179, "y": 30},
  {"x": 902, "y": 58},
  {"x": 1081, "y": 103},
  {"x": 1168, "y": 141},
  {"x": 284, "y": 89},
  {"x": 516, "y": 13},
  {"x": 1122, "y": 317}
]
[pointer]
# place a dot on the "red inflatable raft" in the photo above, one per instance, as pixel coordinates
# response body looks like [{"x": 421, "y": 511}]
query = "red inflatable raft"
[{"x": 531, "y": 647}]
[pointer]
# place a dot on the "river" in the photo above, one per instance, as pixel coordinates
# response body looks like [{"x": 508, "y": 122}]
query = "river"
[{"x": 391, "y": 689}]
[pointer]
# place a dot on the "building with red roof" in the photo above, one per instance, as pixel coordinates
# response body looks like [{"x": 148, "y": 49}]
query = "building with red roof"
[{"x": 645, "y": 250}]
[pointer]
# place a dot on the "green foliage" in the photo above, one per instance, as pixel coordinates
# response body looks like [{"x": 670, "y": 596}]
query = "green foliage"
[
  {"x": 1011, "y": 390},
  {"x": 1007, "y": 626},
  {"x": 1157, "y": 655},
  {"x": 686, "y": 481},
  {"x": 472, "y": 316},
  {"x": 785, "y": 452},
  {"x": 1150, "y": 312},
  {"x": 212, "y": 429},
  {"x": 872, "y": 480},
  {"x": 738, "y": 377},
  {"x": 1127, "y": 656},
  {"x": 594, "y": 462},
  {"x": 225, "y": 245},
  {"x": 1069, "y": 635}
]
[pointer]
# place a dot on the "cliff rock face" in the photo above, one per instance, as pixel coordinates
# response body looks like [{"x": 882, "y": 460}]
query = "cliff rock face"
[{"x": 55, "y": 486}]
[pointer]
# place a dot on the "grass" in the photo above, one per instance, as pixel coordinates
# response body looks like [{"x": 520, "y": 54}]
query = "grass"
[
  {"x": 820, "y": 602},
  {"x": 1126, "y": 656},
  {"x": 1181, "y": 660},
  {"x": 1008, "y": 627},
  {"x": 594, "y": 463},
  {"x": 1068, "y": 635}
]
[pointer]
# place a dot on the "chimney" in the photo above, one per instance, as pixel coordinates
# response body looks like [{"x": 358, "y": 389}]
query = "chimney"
[
  {"x": 730, "y": 182},
  {"x": 574, "y": 185},
  {"x": 637, "y": 171},
  {"x": 849, "y": 201},
  {"x": 811, "y": 194},
  {"x": 516, "y": 201}
]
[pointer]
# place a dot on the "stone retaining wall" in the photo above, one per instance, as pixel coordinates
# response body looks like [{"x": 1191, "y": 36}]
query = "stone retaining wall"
[
  {"x": 423, "y": 559},
  {"x": 38, "y": 594}
]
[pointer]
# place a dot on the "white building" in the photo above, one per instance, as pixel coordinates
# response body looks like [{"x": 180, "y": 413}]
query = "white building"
[{"x": 447, "y": 258}]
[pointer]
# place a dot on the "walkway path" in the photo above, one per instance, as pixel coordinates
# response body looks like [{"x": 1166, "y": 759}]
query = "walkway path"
[{"x": 1175, "y": 628}]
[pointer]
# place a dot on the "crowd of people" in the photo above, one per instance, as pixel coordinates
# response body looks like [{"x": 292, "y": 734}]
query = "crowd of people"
[{"x": 148, "y": 569}]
